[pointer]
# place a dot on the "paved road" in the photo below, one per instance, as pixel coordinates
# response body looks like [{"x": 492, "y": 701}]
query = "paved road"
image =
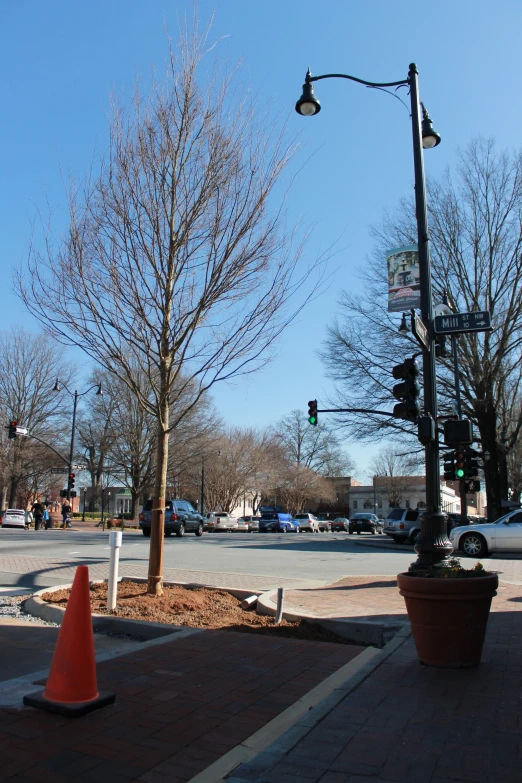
[{"x": 39, "y": 559}]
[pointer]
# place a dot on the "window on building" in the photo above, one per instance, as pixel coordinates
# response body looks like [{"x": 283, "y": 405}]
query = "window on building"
[
  {"x": 406, "y": 504},
  {"x": 354, "y": 504},
  {"x": 379, "y": 503},
  {"x": 421, "y": 504},
  {"x": 368, "y": 504}
]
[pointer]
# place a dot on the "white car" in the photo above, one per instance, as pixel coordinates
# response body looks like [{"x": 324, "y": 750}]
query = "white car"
[
  {"x": 13, "y": 517},
  {"x": 248, "y": 524},
  {"x": 220, "y": 520},
  {"x": 504, "y": 535},
  {"x": 307, "y": 522}
]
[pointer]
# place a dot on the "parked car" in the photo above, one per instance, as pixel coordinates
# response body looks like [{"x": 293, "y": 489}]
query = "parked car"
[
  {"x": 365, "y": 523},
  {"x": 402, "y": 525},
  {"x": 307, "y": 522},
  {"x": 13, "y": 517},
  {"x": 249, "y": 524},
  {"x": 278, "y": 522},
  {"x": 325, "y": 526},
  {"x": 180, "y": 518},
  {"x": 504, "y": 535},
  {"x": 220, "y": 520},
  {"x": 340, "y": 525}
]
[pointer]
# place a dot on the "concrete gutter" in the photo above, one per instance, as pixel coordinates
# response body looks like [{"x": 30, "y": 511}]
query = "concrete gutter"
[{"x": 372, "y": 632}]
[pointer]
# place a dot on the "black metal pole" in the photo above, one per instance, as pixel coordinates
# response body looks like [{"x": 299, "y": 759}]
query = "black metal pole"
[
  {"x": 71, "y": 452},
  {"x": 202, "y": 503},
  {"x": 462, "y": 481},
  {"x": 433, "y": 545}
]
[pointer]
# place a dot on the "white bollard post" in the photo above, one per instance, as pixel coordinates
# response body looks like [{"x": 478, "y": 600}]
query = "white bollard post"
[
  {"x": 115, "y": 545},
  {"x": 280, "y": 599}
]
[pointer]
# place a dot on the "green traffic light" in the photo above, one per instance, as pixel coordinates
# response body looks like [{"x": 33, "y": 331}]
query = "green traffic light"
[
  {"x": 312, "y": 420},
  {"x": 459, "y": 473}
]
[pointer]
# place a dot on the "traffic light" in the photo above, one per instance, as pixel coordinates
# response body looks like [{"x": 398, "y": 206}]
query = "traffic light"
[
  {"x": 460, "y": 465},
  {"x": 408, "y": 391},
  {"x": 441, "y": 350},
  {"x": 471, "y": 466},
  {"x": 449, "y": 466},
  {"x": 70, "y": 483},
  {"x": 472, "y": 486},
  {"x": 63, "y": 493},
  {"x": 12, "y": 429},
  {"x": 312, "y": 412}
]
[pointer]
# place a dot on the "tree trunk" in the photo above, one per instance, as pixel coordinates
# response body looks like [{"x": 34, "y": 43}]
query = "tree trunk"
[
  {"x": 495, "y": 468},
  {"x": 157, "y": 532},
  {"x": 134, "y": 504}
]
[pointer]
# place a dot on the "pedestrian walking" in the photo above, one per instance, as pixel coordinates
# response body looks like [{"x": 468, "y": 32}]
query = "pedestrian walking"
[
  {"x": 66, "y": 510},
  {"x": 38, "y": 512},
  {"x": 47, "y": 519}
]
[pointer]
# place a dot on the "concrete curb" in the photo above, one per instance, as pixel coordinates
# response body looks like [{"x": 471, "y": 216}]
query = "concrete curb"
[
  {"x": 370, "y": 632},
  {"x": 266, "y": 747},
  {"x": 103, "y": 623}
]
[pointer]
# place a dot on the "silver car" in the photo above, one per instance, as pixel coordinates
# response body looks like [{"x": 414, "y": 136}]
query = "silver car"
[
  {"x": 504, "y": 535},
  {"x": 14, "y": 517}
]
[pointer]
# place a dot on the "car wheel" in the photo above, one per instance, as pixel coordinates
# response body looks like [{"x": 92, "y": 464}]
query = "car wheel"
[
  {"x": 358, "y": 532},
  {"x": 473, "y": 545},
  {"x": 168, "y": 533},
  {"x": 199, "y": 531},
  {"x": 284, "y": 530},
  {"x": 146, "y": 533},
  {"x": 297, "y": 529},
  {"x": 180, "y": 532}
]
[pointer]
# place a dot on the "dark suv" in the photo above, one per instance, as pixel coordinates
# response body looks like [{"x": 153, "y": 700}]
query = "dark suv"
[{"x": 180, "y": 518}]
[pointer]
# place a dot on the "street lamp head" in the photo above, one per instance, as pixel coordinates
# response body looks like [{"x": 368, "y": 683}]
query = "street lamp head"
[
  {"x": 99, "y": 393},
  {"x": 308, "y": 105},
  {"x": 430, "y": 137},
  {"x": 404, "y": 328},
  {"x": 56, "y": 387}
]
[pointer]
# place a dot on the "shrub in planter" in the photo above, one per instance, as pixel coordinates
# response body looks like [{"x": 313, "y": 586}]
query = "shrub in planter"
[{"x": 448, "y": 608}]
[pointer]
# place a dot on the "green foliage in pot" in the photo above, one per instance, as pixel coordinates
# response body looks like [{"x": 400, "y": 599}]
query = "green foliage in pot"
[{"x": 454, "y": 570}]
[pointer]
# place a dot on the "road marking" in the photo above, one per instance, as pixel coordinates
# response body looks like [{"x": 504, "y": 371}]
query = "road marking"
[{"x": 74, "y": 553}]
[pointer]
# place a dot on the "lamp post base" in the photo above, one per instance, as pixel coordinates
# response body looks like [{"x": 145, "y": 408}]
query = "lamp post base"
[{"x": 433, "y": 545}]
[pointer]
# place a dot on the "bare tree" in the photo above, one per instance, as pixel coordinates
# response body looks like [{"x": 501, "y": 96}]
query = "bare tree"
[
  {"x": 476, "y": 233},
  {"x": 29, "y": 366},
  {"x": 317, "y": 448},
  {"x": 390, "y": 472},
  {"x": 176, "y": 258},
  {"x": 299, "y": 485},
  {"x": 233, "y": 472}
]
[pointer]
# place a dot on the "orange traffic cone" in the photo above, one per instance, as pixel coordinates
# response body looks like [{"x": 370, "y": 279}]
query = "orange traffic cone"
[{"x": 71, "y": 687}]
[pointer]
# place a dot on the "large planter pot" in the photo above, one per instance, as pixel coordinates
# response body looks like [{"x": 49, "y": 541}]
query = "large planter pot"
[{"x": 448, "y": 617}]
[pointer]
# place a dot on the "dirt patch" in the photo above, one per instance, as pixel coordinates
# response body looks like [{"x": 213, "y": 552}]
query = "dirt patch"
[{"x": 197, "y": 608}]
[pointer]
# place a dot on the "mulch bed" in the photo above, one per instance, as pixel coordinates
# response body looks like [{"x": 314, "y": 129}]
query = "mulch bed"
[{"x": 196, "y": 608}]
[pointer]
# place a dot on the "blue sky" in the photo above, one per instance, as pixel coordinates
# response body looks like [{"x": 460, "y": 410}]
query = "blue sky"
[{"x": 60, "y": 60}]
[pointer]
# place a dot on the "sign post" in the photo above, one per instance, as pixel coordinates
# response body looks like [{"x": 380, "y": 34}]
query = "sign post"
[{"x": 460, "y": 323}]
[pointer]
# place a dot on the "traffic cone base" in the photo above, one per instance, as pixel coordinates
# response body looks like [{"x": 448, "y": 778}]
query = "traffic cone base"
[
  {"x": 76, "y": 710},
  {"x": 71, "y": 687}
]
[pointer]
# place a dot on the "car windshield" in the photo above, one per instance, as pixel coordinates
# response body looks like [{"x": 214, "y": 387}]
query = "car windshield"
[
  {"x": 503, "y": 519},
  {"x": 14, "y": 511}
]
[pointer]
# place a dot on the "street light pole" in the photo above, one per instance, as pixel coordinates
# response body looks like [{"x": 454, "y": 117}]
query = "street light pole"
[{"x": 433, "y": 545}]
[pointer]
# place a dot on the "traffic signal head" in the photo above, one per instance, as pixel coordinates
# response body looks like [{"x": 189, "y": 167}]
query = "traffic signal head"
[
  {"x": 471, "y": 467},
  {"x": 460, "y": 463},
  {"x": 408, "y": 391},
  {"x": 70, "y": 483},
  {"x": 63, "y": 493},
  {"x": 449, "y": 466},
  {"x": 312, "y": 412},
  {"x": 12, "y": 429}
]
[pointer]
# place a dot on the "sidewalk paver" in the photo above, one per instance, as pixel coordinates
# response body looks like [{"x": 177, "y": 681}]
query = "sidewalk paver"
[{"x": 180, "y": 706}]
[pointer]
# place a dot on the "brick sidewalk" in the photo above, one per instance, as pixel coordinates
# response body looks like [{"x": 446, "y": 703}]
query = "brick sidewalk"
[
  {"x": 374, "y": 598},
  {"x": 413, "y": 724},
  {"x": 65, "y": 569},
  {"x": 180, "y": 706}
]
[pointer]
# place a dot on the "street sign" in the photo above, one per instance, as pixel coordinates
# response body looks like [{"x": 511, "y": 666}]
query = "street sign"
[
  {"x": 458, "y": 323},
  {"x": 419, "y": 330},
  {"x": 21, "y": 430},
  {"x": 79, "y": 467},
  {"x": 59, "y": 471}
]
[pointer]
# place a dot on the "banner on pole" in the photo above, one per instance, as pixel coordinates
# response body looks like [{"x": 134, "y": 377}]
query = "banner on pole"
[{"x": 403, "y": 278}]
